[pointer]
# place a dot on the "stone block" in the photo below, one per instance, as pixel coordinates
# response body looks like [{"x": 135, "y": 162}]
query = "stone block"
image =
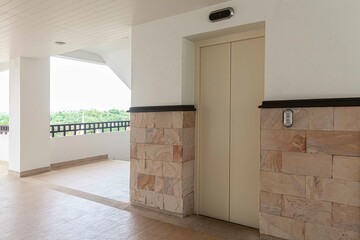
[
  {"x": 133, "y": 174},
  {"x": 153, "y": 168},
  {"x": 347, "y": 168},
  {"x": 346, "y": 217},
  {"x": 142, "y": 120},
  {"x": 292, "y": 185},
  {"x": 333, "y": 190},
  {"x": 137, "y": 135},
  {"x": 189, "y": 119},
  {"x": 157, "y": 152},
  {"x": 172, "y": 170},
  {"x": 173, "y": 204},
  {"x": 188, "y": 169},
  {"x": 271, "y": 118},
  {"x": 188, "y": 205},
  {"x": 313, "y": 118},
  {"x": 347, "y": 118},
  {"x": 178, "y": 170},
  {"x": 177, "y": 188},
  {"x": 138, "y": 164},
  {"x": 307, "y": 164},
  {"x": 133, "y": 150},
  {"x": 137, "y": 196},
  {"x": 178, "y": 153},
  {"x": 188, "y": 136},
  {"x": 154, "y": 200},
  {"x": 133, "y": 120},
  {"x": 145, "y": 182},
  {"x": 188, "y": 152},
  {"x": 270, "y": 161},
  {"x": 163, "y": 120},
  {"x": 310, "y": 211},
  {"x": 281, "y": 227},
  {"x": 136, "y": 167},
  {"x": 320, "y": 232},
  {"x": 164, "y": 185},
  {"x": 283, "y": 140},
  {"x": 173, "y": 136},
  {"x": 154, "y": 136},
  {"x": 183, "y": 187},
  {"x": 183, "y": 153},
  {"x": 270, "y": 203},
  {"x": 338, "y": 143},
  {"x": 188, "y": 185},
  {"x": 177, "y": 119},
  {"x": 141, "y": 151}
]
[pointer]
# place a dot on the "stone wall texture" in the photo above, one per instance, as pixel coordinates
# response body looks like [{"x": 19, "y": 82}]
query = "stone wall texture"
[
  {"x": 310, "y": 174},
  {"x": 162, "y": 161}
]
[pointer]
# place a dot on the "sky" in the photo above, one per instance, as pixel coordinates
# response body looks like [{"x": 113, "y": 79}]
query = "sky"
[{"x": 76, "y": 85}]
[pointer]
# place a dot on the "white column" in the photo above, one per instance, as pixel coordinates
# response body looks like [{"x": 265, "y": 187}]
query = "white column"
[{"x": 29, "y": 115}]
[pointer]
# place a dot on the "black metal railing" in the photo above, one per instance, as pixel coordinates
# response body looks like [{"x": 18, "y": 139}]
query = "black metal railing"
[
  {"x": 74, "y": 129},
  {"x": 4, "y": 129}
]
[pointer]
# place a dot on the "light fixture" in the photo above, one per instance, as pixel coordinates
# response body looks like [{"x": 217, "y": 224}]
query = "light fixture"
[
  {"x": 60, "y": 43},
  {"x": 221, "y": 14}
]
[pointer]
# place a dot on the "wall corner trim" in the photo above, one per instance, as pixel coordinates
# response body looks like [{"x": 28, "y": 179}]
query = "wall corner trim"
[
  {"x": 168, "y": 108},
  {"x": 307, "y": 103}
]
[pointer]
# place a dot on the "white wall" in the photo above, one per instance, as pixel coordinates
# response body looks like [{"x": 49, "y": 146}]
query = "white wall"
[
  {"x": 115, "y": 144},
  {"x": 4, "y": 147},
  {"x": 312, "y": 50},
  {"x": 4, "y": 91},
  {"x": 120, "y": 62},
  {"x": 29, "y": 113}
]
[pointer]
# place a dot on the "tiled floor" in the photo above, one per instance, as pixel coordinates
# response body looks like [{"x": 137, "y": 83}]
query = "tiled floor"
[
  {"x": 108, "y": 179},
  {"x": 46, "y": 207}
]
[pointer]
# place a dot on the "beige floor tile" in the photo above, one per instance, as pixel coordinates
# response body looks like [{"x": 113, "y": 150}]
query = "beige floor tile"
[{"x": 72, "y": 204}]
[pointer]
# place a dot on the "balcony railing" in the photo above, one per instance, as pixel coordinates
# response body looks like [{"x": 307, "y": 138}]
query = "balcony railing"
[
  {"x": 74, "y": 129},
  {"x": 87, "y": 128},
  {"x": 4, "y": 129}
]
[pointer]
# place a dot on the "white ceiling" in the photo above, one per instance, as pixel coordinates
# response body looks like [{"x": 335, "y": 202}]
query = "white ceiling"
[{"x": 29, "y": 28}]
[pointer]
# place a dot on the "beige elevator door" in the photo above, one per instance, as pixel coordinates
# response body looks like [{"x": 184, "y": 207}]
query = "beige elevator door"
[
  {"x": 214, "y": 134},
  {"x": 231, "y": 89},
  {"x": 247, "y": 93}
]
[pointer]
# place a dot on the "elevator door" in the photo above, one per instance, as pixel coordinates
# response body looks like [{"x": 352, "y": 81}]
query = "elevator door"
[
  {"x": 231, "y": 89},
  {"x": 214, "y": 130}
]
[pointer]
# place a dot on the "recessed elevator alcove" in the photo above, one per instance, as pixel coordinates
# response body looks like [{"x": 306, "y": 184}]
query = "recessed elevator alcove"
[{"x": 231, "y": 87}]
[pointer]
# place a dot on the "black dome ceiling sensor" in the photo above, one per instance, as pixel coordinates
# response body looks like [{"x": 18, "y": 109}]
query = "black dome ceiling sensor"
[{"x": 221, "y": 14}]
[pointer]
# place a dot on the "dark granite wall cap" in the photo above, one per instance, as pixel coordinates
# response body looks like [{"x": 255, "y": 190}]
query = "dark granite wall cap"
[
  {"x": 170, "y": 108},
  {"x": 305, "y": 103}
]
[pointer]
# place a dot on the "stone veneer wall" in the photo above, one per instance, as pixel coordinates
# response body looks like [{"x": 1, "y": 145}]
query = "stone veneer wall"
[
  {"x": 162, "y": 161},
  {"x": 310, "y": 174}
]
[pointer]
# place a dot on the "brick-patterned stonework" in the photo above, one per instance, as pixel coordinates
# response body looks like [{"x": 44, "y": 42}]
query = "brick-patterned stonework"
[
  {"x": 310, "y": 174},
  {"x": 162, "y": 161}
]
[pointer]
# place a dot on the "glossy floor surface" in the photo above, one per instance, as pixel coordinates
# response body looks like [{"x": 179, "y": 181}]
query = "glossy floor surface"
[{"x": 56, "y": 206}]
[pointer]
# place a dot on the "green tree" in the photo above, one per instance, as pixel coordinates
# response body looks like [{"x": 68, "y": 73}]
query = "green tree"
[
  {"x": 89, "y": 116},
  {"x": 4, "y": 119}
]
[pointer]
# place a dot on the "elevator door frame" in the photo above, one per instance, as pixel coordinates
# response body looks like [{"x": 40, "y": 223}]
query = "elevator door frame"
[{"x": 256, "y": 33}]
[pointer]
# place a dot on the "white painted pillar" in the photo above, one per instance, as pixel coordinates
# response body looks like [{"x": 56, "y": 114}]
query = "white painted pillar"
[{"x": 29, "y": 115}]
